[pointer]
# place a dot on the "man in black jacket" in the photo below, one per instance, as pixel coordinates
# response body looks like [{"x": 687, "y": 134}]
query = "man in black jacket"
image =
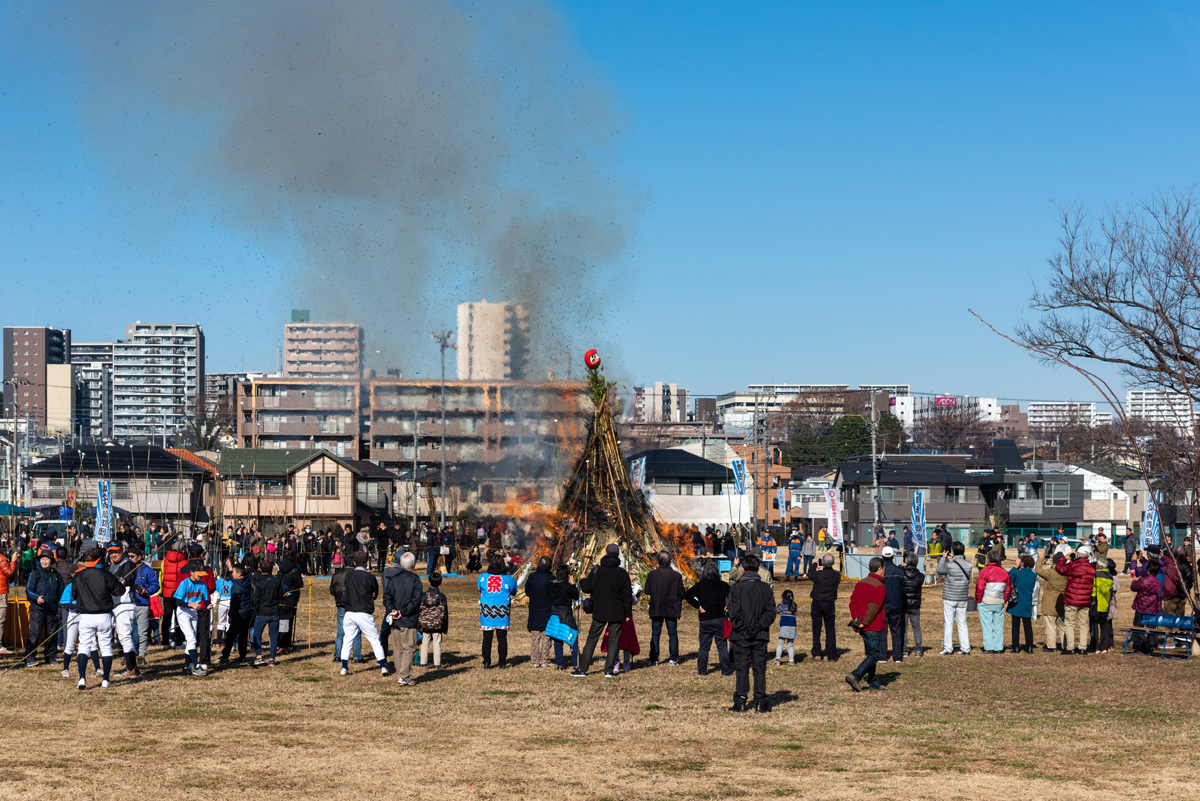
[
  {"x": 43, "y": 588},
  {"x": 751, "y": 613},
  {"x": 362, "y": 589},
  {"x": 93, "y": 589},
  {"x": 612, "y": 605},
  {"x": 825, "y": 581},
  {"x": 265, "y": 597},
  {"x": 910, "y": 591},
  {"x": 664, "y": 585},
  {"x": 241, "y": 611},
  {"x": 893, "y": 576},
  {"x": 402, "y": 603}
]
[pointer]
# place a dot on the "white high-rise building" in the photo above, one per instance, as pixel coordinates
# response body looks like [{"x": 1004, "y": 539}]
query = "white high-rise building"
[
  {"x": 493, "y": 341},
  {"x": 912, "y": 410},
  {"x": 1159, "y": 406},
  {"x": 660, "y": 403},
  {"x": 1051, "y": 414},
  {"x": 157, "y": 372}
]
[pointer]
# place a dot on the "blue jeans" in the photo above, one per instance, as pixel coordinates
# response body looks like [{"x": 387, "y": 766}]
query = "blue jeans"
[
  {"x": 270, "y": 623},
  {"x": 337, "y": 641},
  {"x": 873, "y": 646},
  {"x": 793, "y": 565},
  {"x": 558, "y": 653},
  {"x": 808, "y": 560},
  {"x": 656, "y": 624}
]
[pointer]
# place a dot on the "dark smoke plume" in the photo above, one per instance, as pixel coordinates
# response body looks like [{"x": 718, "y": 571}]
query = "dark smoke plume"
[{"x": 422, "y": 153}]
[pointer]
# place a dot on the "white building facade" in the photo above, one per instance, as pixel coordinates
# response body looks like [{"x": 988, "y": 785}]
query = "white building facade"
[{"x": 157, "y": 372}]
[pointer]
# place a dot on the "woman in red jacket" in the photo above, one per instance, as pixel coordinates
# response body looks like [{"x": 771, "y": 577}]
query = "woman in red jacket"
[
  {"x": 172, "y": 574},
  {"x": 992, "y": 590}
]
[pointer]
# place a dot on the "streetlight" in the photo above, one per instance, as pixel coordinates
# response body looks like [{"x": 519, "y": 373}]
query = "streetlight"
[{"x": 443, "y": 340}]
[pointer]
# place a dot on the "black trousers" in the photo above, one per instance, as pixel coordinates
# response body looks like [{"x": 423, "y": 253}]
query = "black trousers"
[
  {"x": 1016, "y": 631},
  {"x": 43, "y": 619},
  {"x": 897, "y": 627},
  {"x": 712, "y": 631},
  {"x": 171, "y": 634},
  {"x": 749, "y": 655},
  {"x": 1101, "y": 631},
  {"x": 239, "y": 631},
  {"x": 594, "y": 632},
  {"x": 204, "y": 636},
  {"x": 501, "y": 646},
  {"x": 822, "y": 616}
]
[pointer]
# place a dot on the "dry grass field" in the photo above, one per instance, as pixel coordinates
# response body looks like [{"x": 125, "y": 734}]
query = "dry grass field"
[{"x": 970, "y": 727}]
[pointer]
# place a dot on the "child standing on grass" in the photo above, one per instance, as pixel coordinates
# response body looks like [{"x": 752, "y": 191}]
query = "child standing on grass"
[
  {"x": 338, "y": 561},
  {"x": 787, "y": 627},
  {"x": 433, "y": 618},
  {"x": 191, "y": 596}
]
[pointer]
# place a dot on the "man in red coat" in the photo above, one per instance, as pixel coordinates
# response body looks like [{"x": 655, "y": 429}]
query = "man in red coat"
[
  {"x": 866, "y": 608},
  {"x": 1077, "y": 597}
]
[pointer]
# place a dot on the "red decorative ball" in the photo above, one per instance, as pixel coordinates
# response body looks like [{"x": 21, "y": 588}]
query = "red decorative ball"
[{"x": 591, "y": 359}]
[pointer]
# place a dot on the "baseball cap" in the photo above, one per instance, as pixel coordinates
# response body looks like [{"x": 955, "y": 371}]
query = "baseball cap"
[{"x": 889, "y": 551}]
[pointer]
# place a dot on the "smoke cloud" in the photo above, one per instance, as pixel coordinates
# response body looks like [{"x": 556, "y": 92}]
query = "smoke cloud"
[{"x": 420, "y": 153}]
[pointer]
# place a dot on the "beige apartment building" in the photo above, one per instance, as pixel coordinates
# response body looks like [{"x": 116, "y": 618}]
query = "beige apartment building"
[
  {"x": 299, "y": 414},
  {"x": 493, "y": 341},
  {"x": 322, "y": 350}
]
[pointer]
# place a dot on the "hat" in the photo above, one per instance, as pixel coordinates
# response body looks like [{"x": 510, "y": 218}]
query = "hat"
[
  {"x": 756, "y": 552},
  {"x": 195, "y": 550},
  {"x": 194, "y": 566},
  {"x": 114, "y": 548},
  {"x": 889, "y": 552},
  {"x": 93, "y": 554},
  {"x": 612, "y": 549},
  {"x": 397, "y": 556},
  {"x": 1084, "y": 550}
]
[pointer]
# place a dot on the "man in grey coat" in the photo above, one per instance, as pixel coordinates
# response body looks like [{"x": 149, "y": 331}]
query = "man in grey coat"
[
  {"x": 957, "y": 575},
  {"x": 401, "y": 603}
]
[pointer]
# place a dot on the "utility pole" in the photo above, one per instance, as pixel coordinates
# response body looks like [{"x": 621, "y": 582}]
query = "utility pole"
[
  {"x": 443, "y": 340},
  {"x": 874, "y": 463},
  {"x": 754, "y": 454},
  {"x": 1057, "y": 448},
  {"x": 416, "y": 449}
]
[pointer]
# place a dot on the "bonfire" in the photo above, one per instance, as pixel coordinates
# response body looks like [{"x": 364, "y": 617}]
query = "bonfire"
[{"x": 600, "y": 505}]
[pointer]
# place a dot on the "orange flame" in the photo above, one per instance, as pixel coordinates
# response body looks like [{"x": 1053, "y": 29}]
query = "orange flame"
[{"x": 679, "y": 540}]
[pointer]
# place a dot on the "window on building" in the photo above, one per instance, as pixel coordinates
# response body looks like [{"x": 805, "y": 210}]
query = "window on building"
[
  {"x": 487, "y": 493},
  {"x": 956, "y": 494},
  {"x": 887, "y": 494},
  {"x": 316, "y": 486},
  {"x": 331, "y": 486},
  {"x": 1058, "y": 494}
]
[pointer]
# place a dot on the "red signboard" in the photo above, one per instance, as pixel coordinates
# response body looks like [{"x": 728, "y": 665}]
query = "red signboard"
[{"x": 943, "y": 400}]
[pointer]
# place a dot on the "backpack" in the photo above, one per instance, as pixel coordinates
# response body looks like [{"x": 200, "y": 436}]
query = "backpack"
[{"x": 433, "y": 613}]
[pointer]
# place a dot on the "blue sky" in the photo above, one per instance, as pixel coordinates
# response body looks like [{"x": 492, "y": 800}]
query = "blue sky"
[{"x": 823, "y": 190}]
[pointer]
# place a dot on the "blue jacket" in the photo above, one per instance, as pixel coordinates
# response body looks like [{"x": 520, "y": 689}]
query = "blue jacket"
[
  {"x": 1023, "y": 582},
  {"x": 145, "y": 579},
  {"x": 893, "y": 578},
  {"x": 191, "y": 592},
  {"x": 795, "y": 544},
  {"x": 44, "y": 583}
]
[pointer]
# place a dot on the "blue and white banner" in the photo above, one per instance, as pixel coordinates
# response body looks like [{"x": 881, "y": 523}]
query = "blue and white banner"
[
  {"x": 918, "y": 519},
  {"x": 637, "y": 473},
  {"x": 739, "y": 475},
  {"x": 103, "y": 532},
  {"x": 1150, "y": 527},
  {"x": 782, "y": 493}
]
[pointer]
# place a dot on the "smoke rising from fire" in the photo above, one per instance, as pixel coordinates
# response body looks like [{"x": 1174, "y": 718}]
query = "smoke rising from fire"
[{"x": 420, "y": 153}]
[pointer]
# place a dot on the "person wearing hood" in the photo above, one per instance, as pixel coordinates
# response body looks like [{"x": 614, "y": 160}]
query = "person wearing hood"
[
  {"x": 1077, "y": 597},
  {"x": 611, "y": 594},
  {"x": 43, "y": 588},
  {"x": 291, "y": 580},
  {"x": 955, "y": 571},
  {"x": 539, "y": 591}
]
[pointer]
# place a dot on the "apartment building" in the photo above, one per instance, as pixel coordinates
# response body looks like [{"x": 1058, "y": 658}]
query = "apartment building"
[
  {"x": 93, "y": 412},
  {"x": 28, "y": 350},
  {"x": 321, "y": 350},
  {"x": 503, "y": 438},
  {"x": 158, "y": 371},
  {"x": 660, "y": 403},
  {"x": 62, "y": 396},
  {"x": 1054, "y": 414},
  {"x": 913, "y": 410},
  {"x": 294, "y": 413},
  {"x": 493, "y": 341},
  {"x": 1159, "y": 406}
]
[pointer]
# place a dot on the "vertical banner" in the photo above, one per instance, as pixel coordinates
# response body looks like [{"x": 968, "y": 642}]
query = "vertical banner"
[
  {"x": 1150, "y": 525},
  {"x": 834, "y": 507},
  {"x": 739, "y": 475},
  {"x": 782, "y": 493},
  {"x": 637, "y": 474},
  {"x": 103, "y": 532},
  {"x": 918, "y": 519}
]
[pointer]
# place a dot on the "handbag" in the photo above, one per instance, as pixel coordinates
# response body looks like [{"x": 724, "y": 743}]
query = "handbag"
[
  {"x": 444, "y": 550},
  {"x": 156, "y": 608},
  {"x": 972, "y": 606},
  {"x": 727, "y": 629},
  {"x": 586, "y": 606}
]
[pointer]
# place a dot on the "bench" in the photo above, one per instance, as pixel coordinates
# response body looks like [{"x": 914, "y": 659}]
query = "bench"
[{"x": 1177, "y": 629}]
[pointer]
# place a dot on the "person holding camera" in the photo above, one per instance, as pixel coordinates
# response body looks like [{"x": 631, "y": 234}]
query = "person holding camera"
[
  {"x": 1077, "y": 597},
  {"x": 869, "y": 620},
  {"x": 1051, "y": 607},
  {"x": 956, "y": 573}
]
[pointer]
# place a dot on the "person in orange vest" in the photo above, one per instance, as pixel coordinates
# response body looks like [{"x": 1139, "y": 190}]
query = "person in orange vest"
[{"x": 768, "y": 545}]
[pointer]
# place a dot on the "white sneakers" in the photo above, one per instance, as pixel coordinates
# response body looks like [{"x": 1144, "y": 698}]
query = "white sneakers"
[
  {"x": 345, "y": 672},
  {"x": 66, "y": 674},
  {"x": 104, "y": 684},
  {"x": 82, "y": 684}
]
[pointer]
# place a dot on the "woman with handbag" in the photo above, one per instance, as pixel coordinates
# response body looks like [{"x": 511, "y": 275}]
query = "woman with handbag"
[
  {"x": 710, "y": 595},
  {"x": 1021, "y": 603}
]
